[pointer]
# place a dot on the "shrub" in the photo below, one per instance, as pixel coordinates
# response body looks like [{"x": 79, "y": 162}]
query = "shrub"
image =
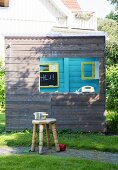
[
  {"x": 111, "y": 52},
  {"x": 112, "y": 88},
  {"x": 112, "y": 121},
  {"x": 2, "y": 85}
]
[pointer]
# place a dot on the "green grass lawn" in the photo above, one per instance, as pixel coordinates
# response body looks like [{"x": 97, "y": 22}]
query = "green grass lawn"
[
  {"x": 37, "y": 162},
  {"x": 72, "y": 140}
]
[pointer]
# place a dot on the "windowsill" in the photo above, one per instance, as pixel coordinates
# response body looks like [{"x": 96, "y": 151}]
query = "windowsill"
[{"x": 71, "y": 93}]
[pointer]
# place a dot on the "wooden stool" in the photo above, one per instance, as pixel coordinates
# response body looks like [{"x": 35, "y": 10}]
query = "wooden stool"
[{"x": 41, "y": 124}]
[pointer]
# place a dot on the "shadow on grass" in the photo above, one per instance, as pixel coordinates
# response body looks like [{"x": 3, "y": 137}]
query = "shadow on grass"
[
  {"x": 19, "y": 139},
  {"x": 73, "y": 140}
]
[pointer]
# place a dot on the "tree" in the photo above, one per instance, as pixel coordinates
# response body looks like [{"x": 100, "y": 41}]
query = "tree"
[
  {"x": 111, "y": 28},
  {"x": 113, "y": 14},
  {"x": 114, "y": 2}
]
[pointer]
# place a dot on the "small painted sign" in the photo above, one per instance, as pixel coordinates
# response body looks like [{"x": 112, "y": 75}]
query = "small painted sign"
[{"x": 49, "y": 75}]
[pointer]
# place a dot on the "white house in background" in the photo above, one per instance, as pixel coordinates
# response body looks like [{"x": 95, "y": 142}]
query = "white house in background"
[{"x": 38, "y": 17}]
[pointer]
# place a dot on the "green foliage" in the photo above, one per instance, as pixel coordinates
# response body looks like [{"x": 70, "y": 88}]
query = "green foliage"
[
  {"x": 112, "y": 121},
  {"x": 112, "y": 87},
  {"x": 2, "y": 85},
  {"x": 111, "y": 28},
  {"x": 114, "y": 2},
  {"x": 111, "y": 53},
  {"x": 112, "y": 15},
  {"x": 2, "y": 122},
  {"x": 112, "y": 98}
]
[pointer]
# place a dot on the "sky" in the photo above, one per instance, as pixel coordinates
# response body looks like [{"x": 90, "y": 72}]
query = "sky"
[{"x": 101, "y": 7}]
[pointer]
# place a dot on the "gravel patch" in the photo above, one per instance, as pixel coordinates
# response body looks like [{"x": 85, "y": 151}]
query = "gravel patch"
[{"x": 84, "y": 154}]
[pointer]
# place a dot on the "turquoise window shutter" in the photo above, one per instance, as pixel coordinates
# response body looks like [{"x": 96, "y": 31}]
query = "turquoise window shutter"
[{"x": 66, "y": 74}]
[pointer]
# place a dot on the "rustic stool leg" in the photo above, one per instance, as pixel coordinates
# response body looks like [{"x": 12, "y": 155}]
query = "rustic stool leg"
[
  {"x": 41, "y": 139},
  {"x": 48, "y": 136},
  {"x": 34, "y": 137},
  {"x": 55, "y": 136}
]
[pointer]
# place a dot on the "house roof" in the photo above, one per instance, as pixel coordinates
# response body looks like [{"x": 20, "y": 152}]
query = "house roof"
[
  {"x": 75, "y": 32},
  {"x": 73, "y": 5}
]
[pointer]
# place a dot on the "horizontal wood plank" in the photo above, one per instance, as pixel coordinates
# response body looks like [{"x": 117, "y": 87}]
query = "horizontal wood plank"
[
  {"x": 19, "y": 60},
  {"x": 22, "y": 74},
  {"x": 22, "y": 67},
  {"x": 62, "y": 47},
  {"x": 55, "y": 40}
]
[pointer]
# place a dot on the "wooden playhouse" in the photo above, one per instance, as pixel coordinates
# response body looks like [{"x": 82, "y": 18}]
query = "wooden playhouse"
[{"x": 62, "y": 75}]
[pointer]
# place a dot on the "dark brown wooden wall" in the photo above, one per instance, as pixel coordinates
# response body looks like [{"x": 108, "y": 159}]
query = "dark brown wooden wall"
[{"x": 83, "y": 112}]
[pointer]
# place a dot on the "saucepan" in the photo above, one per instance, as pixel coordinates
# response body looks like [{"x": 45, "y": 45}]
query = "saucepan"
[{"x": 40, "y": 115}]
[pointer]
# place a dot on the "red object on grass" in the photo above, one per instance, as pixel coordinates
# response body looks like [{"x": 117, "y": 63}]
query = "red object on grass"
[{"x": 62, "y": 147}]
